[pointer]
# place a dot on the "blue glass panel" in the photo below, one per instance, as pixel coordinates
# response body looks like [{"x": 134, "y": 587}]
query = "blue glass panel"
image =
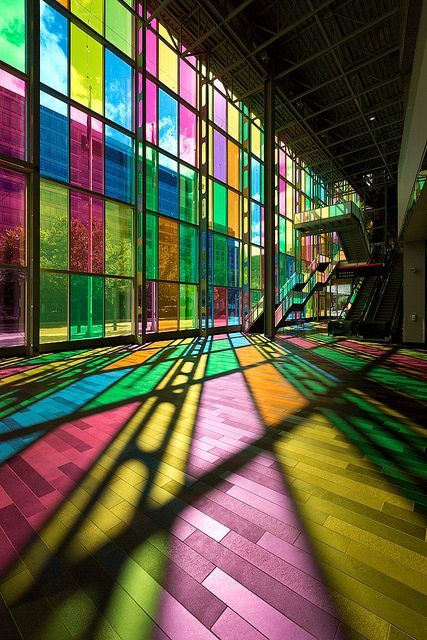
[
  {"x": 290, "y": 266},
  {"x": 168, "y": 186},
  {"x": 53, "y": 49},
  {"x": 53, "y": 137},
  {"x": 233, "y": 262},
  {"x": 233, "y": 303},
  {"x": 168, "y": 123},
  {"x": 255, "y": 179},
  {"x": 119, "y": 165},
  {"x": 255, "y": 223},
  {"x": 118, "y": 90}
]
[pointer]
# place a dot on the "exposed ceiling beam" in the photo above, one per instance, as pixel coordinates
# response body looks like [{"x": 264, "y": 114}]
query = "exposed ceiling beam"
[{"x": 158, "y": 11}]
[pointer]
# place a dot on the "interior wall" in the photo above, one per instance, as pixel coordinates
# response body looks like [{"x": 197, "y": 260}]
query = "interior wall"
[{"x": 414, "y": 291}]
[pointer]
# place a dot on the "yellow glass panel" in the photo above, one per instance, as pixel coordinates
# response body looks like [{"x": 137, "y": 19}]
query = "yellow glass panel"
[
  {"x": 233, "y": 165},
  {"x": 86, "y": 70},
  {"x": 90, "y": 11},
  {"x": 168, "y": 66},
  {"x": 233, "y": 121},
  {"x": 256, "y": 141}
]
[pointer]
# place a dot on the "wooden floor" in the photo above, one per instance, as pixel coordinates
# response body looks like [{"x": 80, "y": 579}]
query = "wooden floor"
[{"x": 229, "y": 488}]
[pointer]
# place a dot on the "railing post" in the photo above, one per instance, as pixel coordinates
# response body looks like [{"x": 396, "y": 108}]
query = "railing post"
[{"x": 269, "y": 183}]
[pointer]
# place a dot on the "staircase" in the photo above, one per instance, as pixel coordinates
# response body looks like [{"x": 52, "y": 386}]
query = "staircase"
[{"x": 346, "y": 219}]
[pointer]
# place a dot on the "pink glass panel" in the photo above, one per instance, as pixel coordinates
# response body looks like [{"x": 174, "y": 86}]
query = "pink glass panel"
[
  {"x": 151, "y": 112},
  {"x": 87, "y": 151},
  {"x": 282, "y": 196},
  {"x": 220, "y": 156},
  {"x": 220, "y": 306},
  {"x": 187, "y": 82},
  {"x": 87, "y": 249},
  {"x": 151, "y": 290},
  {"x": 220, "y": 110},
  {"x": 282, "y": 162},
  {"x": 187, "y": 135},
  {"x": 12, "y": 115},
  {"x": 151, "y": 56},
  {"x": 12, "y": 217}
]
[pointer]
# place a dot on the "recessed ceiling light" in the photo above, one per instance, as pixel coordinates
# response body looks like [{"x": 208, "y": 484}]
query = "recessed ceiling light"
[{"x": 372, "y": 118}]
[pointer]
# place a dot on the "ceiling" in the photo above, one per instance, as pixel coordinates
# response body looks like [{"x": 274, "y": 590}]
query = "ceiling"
[{"x": 341, "y": 70}]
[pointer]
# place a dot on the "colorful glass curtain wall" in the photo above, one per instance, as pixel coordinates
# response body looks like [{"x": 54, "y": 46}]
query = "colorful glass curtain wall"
[{"x": 121, "y": 231}]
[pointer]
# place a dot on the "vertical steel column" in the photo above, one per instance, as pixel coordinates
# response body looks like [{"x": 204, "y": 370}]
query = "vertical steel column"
[
  {"x": 203, "y": 196},
  {"x": 140, "y": 298},
  {"x": 245, "y": 130},
  {"x": 269, "y": 167},
  {"x": 33, "y": 192}
]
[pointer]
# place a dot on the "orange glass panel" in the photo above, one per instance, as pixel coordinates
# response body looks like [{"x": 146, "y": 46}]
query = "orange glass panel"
[
  {"x": 233, "y": 165},
  {"x": 168, "y": 249}
]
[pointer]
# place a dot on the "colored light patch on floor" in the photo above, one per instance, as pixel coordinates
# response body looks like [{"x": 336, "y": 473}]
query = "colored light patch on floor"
[{"x": 167, "y": 507}]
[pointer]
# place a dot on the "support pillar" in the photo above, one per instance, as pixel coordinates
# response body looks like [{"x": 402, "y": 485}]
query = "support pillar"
[{"x": 269, "y": 184}]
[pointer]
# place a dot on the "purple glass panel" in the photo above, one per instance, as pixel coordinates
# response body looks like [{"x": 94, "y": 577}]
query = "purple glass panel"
[
  {"x": 151, "y": 55},
  {"x": 12, "y": 307},
  {"x": 220, "y": 156},
  {"x": 87, "y": 248},
  {"x": 12, "y": 217},
  {"x": 12, "y": 115},
  {"x": 220, "y": 110},
  {"x": 282, "y": 196},
  {"x": 151, "y": 112},
  {"x": 220, "y": 306},
  {"x": 187, "y": 135},
  {"x": 151, "y": 292},
  {"x": 187, "y": 82},
  {"x": 87, "y": 151}
]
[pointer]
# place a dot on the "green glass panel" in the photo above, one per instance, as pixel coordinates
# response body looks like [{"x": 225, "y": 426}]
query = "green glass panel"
[
  {"x": 118, "y": 307},
  {"x": 53, "y": 226},
  {"x": 86, "y": 307},
  {"x": 220, "y": 260},
  {"x": 87, "y": 70},
  {"x": 12, "y": 33},
  {"x": 118, "y": 239},
  {"x": 188, "y": 194},
  {"x": 255, "y": 267},
  {"x": 188, "y": 306},
  {"x": 152, "y": 247},
  {"x": 282, "y": 234},
  {"x": 188, "y": 253},
  {"x": 118, "y": 26},
  {"x": 220, "y": 208},
  {"x": 152, "y": 178},
  {"x": 89, "y": 11},
  {"x": 53, "y": 307}
]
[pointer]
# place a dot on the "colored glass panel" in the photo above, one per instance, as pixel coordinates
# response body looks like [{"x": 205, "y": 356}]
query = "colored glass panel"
[
  {"x": 220, "y": 156},
  {"x": 87, "y": 70},
  {"x": 152, "y": 178},
  {"x": 53, "y": 226},
  {"x": 13, "y": 33},
  {"x": 187, "y": 83},
  {"x": 168, "y": 66},
  {"x": 233, "y": 165},
  {"x": 220, "y": 260},
  {"x": 188, "y": 253},
  {"x": 233, "y": 263},
  {"x": 168, "y": 123},
  {"x": 152, "y": 254},
  {"x": 87, "y": 151},
  {"x": 53, "y": 307},
  {"x": 188, "y": 306},
  {"x": 255, "y": 223},
  {"x": 151, "y": 112},
  {"x": 233, "y": 214},
  {"x": 118, "y": 90},
  {"x": 53, "y": 49},
  {"x": 86, "y": 307},
  {"x": 54, "y": 137},
  {"x": 187, "y": 135},
  {"x": 168, "y": 306},
  {"x": 233, "y": 306},
  {"x": 151, "y": 306},
  {"x": 233, "y": 121},
  {"x": 168, "y": 249},
  {"x": 119, "y": 253},
  {"x": 87, "y": 233},
  {"x": 118, "y": 307},
  {"x": 119, "y": 165},
  {"x": 12, "y": 217},
  {"x": 12, "y": 115},
  {"x": 119, "y": 26},
  {"x": 220, "y": 207},
  {"x": 219, "y": 306},
  {"x": 168, "y": 186},
  {"x": 188, "y": 194},
  {"x": 256, "y": 273},
  {"x": 12, "y": 307},
  {"x": 90, "y": 11},
  {"x": 220, "y": 110}
]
